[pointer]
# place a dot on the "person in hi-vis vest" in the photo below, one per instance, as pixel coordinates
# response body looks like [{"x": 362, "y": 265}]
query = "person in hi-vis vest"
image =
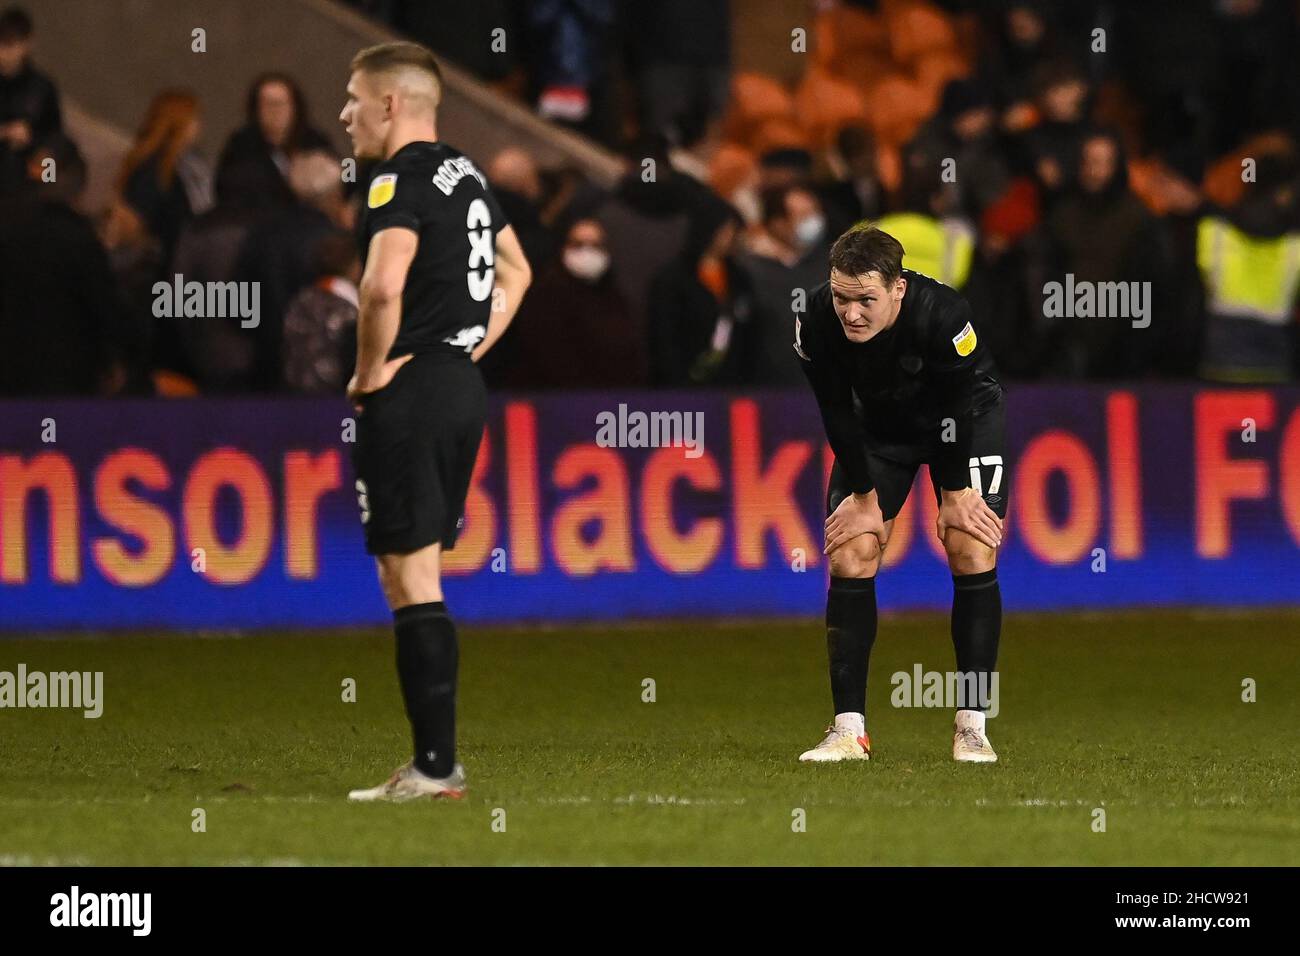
[{"x": 1249, "y": 260}]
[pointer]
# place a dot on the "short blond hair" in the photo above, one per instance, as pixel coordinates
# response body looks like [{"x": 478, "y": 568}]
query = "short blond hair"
[{"x": 403, "y": 61}]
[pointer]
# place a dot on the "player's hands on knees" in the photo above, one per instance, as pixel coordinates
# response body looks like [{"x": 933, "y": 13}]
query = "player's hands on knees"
[
  {"x": 365, "y": 384},
  {"x": 856, "y": 514},
  {"x": 966, "y": 511}
]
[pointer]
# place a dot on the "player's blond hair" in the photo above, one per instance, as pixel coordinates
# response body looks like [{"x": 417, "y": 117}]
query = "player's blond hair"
[{"x": 409, "y": 66}]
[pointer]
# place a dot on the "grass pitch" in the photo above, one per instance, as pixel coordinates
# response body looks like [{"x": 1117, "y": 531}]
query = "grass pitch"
[{"x": 1139, "y": 715}]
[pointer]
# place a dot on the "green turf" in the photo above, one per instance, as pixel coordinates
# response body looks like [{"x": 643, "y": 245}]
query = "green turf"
[{"x": 1139, "y": 714}]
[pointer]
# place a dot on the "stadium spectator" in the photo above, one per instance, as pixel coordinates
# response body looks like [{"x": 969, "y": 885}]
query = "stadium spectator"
[
  {"x": 571, "y": 39},
  {"x": 573, "y": 329},
  {"x": 1050, "y": 148},
  {"x": 854, "y": 191},
  {"x": 937, "y": 240},
  {"x": 162, "y": 184},
  {"x": 280, "y": 253},
  {"x": 646, "y": 221},
  {"x": 693, "y": 304},
  {"x": 29, "y": 102},
  {"x": 965, "y": 130},
  {"x": 277, "y": 127},
  {"x": 218, "y": 352},
  {"x": 60, "y": 316},
  {"x": 1023, "y": 42},
  {"x": 788, "y": 253},
  {"x": 518, "y": 187},
  {"x": 1249, "y": 257},
  {"x": 320, "y": 324},
  {"x": 1101, "y": 233},
  {"x": 682, "y": 55},
  {"x": 785, "y": 166},
  {"x": 1177, "y": 200}
]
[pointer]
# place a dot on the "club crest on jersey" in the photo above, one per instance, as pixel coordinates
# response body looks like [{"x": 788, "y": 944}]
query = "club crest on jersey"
[
  {"x": 964, "y": 341},
  {"x": 382, "y": 190}
]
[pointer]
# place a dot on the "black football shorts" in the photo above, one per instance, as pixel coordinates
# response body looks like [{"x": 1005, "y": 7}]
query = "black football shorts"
[
  {"x": 894, "y": 463},
  {"x": 417, "y": 440}
]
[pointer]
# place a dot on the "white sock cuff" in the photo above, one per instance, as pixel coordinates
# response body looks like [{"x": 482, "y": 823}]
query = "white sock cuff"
[{"x": 851, "y": 721}]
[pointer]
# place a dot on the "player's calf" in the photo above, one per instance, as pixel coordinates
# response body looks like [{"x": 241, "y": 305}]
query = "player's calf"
[
  {"x": 850, "y": 633},
  {"x": 976, "y": 631}
]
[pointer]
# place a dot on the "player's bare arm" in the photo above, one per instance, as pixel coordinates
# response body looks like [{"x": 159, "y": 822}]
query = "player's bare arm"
[
  {"x": 380, "y": 314},
  {"x": 513, "y": 276}
]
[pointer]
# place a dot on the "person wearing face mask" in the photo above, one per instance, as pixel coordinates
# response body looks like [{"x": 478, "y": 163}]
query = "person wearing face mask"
[
  {"x": 788, "y": 252},
  {"x": 573, "y": 329}
]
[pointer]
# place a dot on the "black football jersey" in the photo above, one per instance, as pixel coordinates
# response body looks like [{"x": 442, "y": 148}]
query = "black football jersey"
[
  {"x": 435, "y": 191},
  {"x": 904, "y": 384}
]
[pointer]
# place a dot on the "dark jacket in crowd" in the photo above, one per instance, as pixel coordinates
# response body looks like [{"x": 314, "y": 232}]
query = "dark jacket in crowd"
[
  {"x": 686, "y": 315},
  {"x": 1107, "y": 237},
  {"x": 280, "y": 254},
  {"x": 571, "y": 334},
  {"x": 218, "y": 352},
  {"x": 258, "y": 170},
  {"x": 29, "y": 96},
  {"x": 765, "y": 341},
  {"x": 164, "y": 210},
  {"x": 59, "y": 310}
]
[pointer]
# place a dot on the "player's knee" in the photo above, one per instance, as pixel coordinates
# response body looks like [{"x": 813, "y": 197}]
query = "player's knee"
[
  {"x": 390, "y": 580},
  {"x": 858, "y": 557},
  {"x": 967, "y": 554},
  {"x": 410, "y": 578}
]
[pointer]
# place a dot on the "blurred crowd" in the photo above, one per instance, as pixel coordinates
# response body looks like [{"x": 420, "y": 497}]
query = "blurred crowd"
[{"x": 1007, "y": 144}]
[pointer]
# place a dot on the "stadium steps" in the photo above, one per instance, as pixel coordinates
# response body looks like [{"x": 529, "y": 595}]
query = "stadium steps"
[{"x": 110, "y": 57}]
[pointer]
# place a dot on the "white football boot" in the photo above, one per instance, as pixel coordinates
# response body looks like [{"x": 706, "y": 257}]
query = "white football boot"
[
  {"x": 407, "y": 783},
  {"x": 840, "y": 743},
  {"x": 969, "y": 745}
]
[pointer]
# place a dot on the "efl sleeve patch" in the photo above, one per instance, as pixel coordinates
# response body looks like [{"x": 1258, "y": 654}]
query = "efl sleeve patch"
[
  {"x": 382, "y": 190},
  {"x": 964, "y": 341}
]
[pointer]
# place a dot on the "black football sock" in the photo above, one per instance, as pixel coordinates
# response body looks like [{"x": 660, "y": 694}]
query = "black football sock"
[
  {"x": 850, "y": 632},
  {"x": 976, "y": 627},
  {"x": 427, "y": 656}
]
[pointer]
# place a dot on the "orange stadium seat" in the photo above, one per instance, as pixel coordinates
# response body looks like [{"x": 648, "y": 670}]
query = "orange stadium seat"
[
  {"x": 933, "y": 70},
  {"x": 756, "y": 97},
  {"x": 898, "y": 105},
  {"x": 170, "y": 384},
  {"x": 731, "y": 166},
  {"x": 824, "y": 104},
  {"x": 780, "y": 134},
  {"x": 916, "y": 28},
  {"x": 845, "y": 31}
]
